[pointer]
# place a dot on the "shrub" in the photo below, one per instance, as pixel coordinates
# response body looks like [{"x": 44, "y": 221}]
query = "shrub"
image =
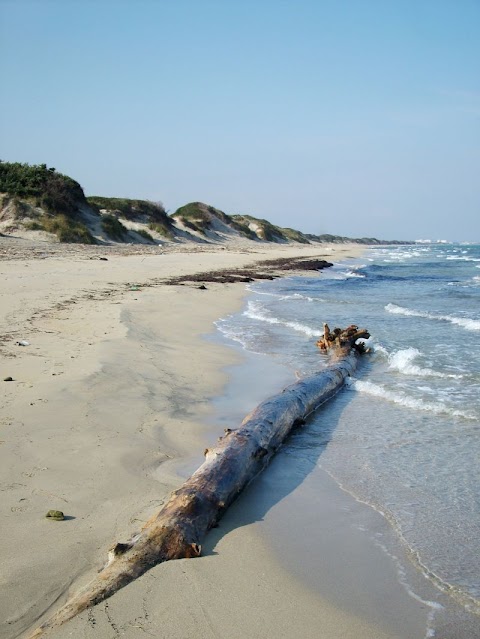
[
  {"x": 194, "y": 225},
  {"x": 34, "y": 226},
  {"x": 294, "y": 235},
  {"x": 132, "y": 209},
  {"x": 66, "y": 229},
  {"x": 164, "y": 231},
  {"x": 113, "y": 227},
  {"x": 145, "y": 234},
  {"x": 244, "y": 229},
  {"x": 54, "y": 192}
]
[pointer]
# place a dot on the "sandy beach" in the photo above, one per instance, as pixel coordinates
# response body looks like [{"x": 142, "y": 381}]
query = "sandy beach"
[{"x": 107, "y": 412}]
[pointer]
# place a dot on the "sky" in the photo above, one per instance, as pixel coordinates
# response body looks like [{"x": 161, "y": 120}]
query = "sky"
[{"x": 350, "y": 117}]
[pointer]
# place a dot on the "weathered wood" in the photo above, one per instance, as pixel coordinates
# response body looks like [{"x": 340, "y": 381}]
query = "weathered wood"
[
  {"x": 342, "y": 341},
  {"x": 179, "y": 529}
]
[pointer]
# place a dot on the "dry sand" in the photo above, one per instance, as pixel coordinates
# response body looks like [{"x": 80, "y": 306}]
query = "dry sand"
[{"x": 106, "y": 414}]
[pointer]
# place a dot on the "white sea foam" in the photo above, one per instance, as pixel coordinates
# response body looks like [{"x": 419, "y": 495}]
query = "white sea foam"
[
  {"x": 465, "y": 322},
  {"x": 294, "y": 296},
  {"x": 402, "y": 361},
  {"x": 463, "y": 258},
  {"x": 375, "y": 390},
  {"x": 400, "y": 310},
  {"x": 378, "y": 348},
  {"x": 342, "y": 275},
  {"x": 250, "y": 288},
  {"x": 258, "y": 312},
  {"x": 401, "y": 257},
  {"x": 233, "y": 334}
]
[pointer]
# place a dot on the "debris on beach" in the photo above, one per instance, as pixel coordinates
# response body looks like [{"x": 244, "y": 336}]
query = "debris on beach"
[
  {"x": 8, "y": 379},
  {"x": 23, "y": 342},
  {"x": 55, "y": 515},
  {"x": 339, "y": 338},
  {"x": 264, "y": 270}
]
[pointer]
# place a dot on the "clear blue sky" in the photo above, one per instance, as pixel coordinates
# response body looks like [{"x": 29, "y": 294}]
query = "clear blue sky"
[{"x": 355, "y": 117}]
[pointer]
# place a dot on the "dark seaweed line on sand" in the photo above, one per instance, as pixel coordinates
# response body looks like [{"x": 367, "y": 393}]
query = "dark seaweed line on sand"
[{"x": 263, "y": 270}]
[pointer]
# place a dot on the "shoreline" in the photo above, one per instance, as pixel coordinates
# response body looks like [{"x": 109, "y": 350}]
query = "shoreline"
[
  {"x": 362, "y": 565},
  {"x": 325, "y": 539},
  {"x": 100, "y": 426}
]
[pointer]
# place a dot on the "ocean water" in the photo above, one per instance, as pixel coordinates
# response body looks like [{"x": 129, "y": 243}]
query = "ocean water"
[{"x": 404, "y": 435}]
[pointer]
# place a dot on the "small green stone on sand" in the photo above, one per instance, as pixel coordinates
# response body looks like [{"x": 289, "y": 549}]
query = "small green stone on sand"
[{"x": 56, "y": 515}]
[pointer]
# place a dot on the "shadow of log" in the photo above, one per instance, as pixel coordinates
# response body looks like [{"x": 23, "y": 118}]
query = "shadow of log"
[{"x": 293, "y": 463}]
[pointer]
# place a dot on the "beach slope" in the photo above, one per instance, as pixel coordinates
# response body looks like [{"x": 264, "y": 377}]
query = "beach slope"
[{"x": 107, "y": 413}]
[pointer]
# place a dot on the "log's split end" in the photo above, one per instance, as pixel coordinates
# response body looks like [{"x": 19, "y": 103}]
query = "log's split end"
[
  {"x": 178, "y": 530},
  {"x": 345, "y": 339}
]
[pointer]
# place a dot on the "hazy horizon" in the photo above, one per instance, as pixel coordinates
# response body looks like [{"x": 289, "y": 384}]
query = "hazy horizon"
[{"x": 356, "y": 119}]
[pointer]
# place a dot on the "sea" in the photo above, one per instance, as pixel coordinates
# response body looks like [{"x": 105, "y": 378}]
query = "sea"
[{"x": 403, "y": 436}]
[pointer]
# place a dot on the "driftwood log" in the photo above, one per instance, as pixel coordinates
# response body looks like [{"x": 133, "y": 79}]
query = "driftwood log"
[{"x": 178, "y": 530}]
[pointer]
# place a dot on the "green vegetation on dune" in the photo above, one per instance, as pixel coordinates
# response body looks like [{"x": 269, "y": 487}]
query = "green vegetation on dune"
[
  {"x": 112, "y": 227},
  {"x": 342, "y": 239},
  {"x": 48, "y": 199},
  {"x": 151, "y": 213},
  {"x": 244, "y": 229},
  {"x": 198, "y": 216},
  {"x": 52, "y": 191},
  {"x": 145, "y": 234},
  {"x": 131, "y": 209},
  {"x": 195, "y": 210},
  {"x": 294, "y": 236},
  {"x": 161, "y": 229},
  {"x": 39, "y": 198},
  {"x": 263, "y": 229},
  {"x": 66, "y": 229}
]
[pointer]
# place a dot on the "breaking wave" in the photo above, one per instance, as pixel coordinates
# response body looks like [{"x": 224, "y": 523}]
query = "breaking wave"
[
  {"x": 296, "y": 296},
  {"x": 375, "y": 390},
  {"x": 258, "y": 312},
  {"x": 293, "y": 296},
  {"x": 465, "y": 322},
  {"x": 402, "y": 361},
  {"x": 463, "y": 258}
]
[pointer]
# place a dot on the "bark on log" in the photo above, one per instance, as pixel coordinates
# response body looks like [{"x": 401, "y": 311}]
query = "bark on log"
[{"x": 178, "y": 530}]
